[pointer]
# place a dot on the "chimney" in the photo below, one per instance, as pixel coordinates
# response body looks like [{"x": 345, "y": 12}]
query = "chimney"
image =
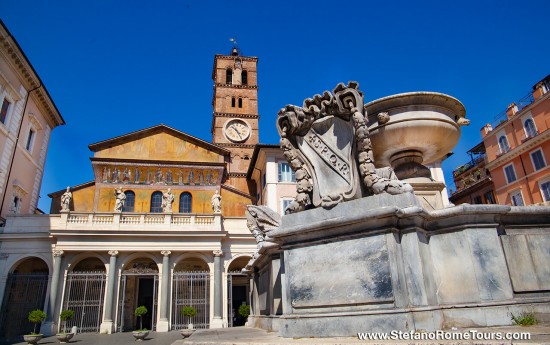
[
  {"x": 512, "y": 110},
  {"x": 486, "y": 130}
]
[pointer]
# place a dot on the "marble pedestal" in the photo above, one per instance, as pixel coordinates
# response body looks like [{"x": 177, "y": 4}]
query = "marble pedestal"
[{"x": 384, "y": 263}]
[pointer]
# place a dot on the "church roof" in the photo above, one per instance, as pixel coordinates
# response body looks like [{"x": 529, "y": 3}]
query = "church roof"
[{"x": 161, "y": 128}]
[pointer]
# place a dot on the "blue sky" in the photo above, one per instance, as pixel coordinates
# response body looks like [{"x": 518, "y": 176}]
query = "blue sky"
[{"x": 113, "y": 67}]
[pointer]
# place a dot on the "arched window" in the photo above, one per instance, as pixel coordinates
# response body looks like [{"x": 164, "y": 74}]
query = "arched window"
[
  {"x": 244, "y": 78},
  {"x": 229, "y": 76},
  {"x": 240, "y": 102},
  {"x": 233, "y": 102},
  {"x": 503, "y": 144},
  {"x": 156, "y": 202},
  {"x": 130, "y": 201},
  {"x": 186, "y": 201},
  {"x": 530, "y": 129}
]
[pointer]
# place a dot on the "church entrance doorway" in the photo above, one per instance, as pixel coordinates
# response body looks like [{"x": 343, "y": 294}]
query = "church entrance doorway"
[{"x": 237, "y": 291}]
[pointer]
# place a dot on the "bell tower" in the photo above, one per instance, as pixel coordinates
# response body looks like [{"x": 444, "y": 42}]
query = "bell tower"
[{"x": 235, "y": 117}]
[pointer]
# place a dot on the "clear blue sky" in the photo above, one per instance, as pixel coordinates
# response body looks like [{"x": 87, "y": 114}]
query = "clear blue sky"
[{"x": 113, "y": 67}]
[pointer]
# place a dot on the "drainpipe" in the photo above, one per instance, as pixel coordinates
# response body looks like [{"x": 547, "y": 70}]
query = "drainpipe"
[{"x": 15, "y": 147}]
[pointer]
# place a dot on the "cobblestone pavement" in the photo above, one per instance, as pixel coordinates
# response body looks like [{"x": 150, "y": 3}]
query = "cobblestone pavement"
[
  {"x": 540, "y": 334},
  {"x": 154, "y": 338}
]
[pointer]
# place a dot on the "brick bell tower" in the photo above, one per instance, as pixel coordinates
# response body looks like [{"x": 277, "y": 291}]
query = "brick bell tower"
[{"x": 235, "y": 118}]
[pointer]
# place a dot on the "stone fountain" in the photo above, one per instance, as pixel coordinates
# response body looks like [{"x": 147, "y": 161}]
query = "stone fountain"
[
  {"x": 358, "y": 251},
  {"x": 412, "y": 130}
]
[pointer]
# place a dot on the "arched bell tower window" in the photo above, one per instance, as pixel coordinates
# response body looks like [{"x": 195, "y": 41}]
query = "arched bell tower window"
[
  {"x": 186, "y": 202},
  {"x": 229, "y": 76},
  {"x": 233, "y": 102},
  {"x": 244, "y": 78},
  {"x": 156, "y": 202},
  {"x": 240, "y": 102},
  {"x": 130, "y": 201}
]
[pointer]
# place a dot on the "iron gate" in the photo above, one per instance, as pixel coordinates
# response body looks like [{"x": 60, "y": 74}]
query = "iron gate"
[
  {"x": 123, "y": 305},
  {"x": 24, "y": 293},
  {"x": 191, "y": 289},
  {"x": 84, "y": 294}
]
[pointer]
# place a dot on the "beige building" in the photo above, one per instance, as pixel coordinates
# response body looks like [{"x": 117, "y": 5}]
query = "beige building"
[
  {"x": 27, "y": 117},
  {"x": 161, "y": 225}
]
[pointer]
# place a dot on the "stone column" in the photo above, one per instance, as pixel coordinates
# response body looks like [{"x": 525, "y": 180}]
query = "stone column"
[
  {"x": 217, "y": 320},
  {"x": 49, "y": 327},
  {"x": 107, "y": 325},
  {"x": 163, "y": 325}
]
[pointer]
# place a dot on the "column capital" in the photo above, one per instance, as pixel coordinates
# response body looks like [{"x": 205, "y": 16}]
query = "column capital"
[
  {"x": 58, "y": 252},
  {"x": 166, "y": 252},
  {"x": 218, "y": 252},
  {"x": 113, "y": 252}
]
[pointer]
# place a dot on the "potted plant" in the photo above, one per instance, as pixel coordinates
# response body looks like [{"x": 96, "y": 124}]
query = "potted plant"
[
  {"x": 65, "y": 316},
  {"x": 244, "y": 311},
  {"x": 188, "y": 312},
  {"x": 140, "y": 333},
  {"x": 36, "y": 316}
]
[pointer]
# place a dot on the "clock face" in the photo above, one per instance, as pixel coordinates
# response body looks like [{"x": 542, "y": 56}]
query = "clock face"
[{"x": 236, "y": 130}]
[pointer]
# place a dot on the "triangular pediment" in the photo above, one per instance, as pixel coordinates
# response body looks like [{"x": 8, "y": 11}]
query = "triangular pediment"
[{"x": 159, "y": 143}]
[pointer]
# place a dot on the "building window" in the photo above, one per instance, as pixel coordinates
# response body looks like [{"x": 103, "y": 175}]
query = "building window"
[
  {"x": 240, "y": 102},
  {"x": 530, "y": 129},
  {"x": 186, "y": 202},
  {"x": 286, "y": 203},
  {"x": 244, "y": 78},
  {"x": 285, "y": 173},
  {"x": 229, "y": 76},
  {"x": 477, "y": 200},
  {"x": 4, "y": 111},
  {"x": 30, "y": 140},
  {"x": 517, "y": 199},
  {"x": 489, "y": 197},
  {"x": 510, "y": 173},
  {"x": 538, "y": 159},
  {"x": 156, "y": 202},
  {"x": 545, "y": 190},
  {"x": 503, "y": 144},
  {"x": 233, "y": 102},
  {"x": 130, "y": 201}
]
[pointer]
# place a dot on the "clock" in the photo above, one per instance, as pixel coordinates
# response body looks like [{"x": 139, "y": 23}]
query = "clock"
[{"x": 236, "y": 130}]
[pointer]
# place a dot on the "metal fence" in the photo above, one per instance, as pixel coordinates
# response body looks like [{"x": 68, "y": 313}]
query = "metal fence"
[
  {"x": 84, "y": 294},
  {"x": 191, "y": 289},
  {"x": 24, "y": 293}
]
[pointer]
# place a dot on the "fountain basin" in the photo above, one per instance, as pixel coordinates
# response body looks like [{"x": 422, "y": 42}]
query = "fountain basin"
[{"x": 424, "y": 124}]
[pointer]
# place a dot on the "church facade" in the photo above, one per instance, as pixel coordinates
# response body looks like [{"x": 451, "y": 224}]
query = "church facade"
[{"x": 162, "y": 225}]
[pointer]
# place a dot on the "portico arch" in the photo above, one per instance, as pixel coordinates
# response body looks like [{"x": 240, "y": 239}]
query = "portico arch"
[
  {"x": 238, "y": 289},
  {"x": 191, "y": 287},
  {"x": 84, "y": 292},
  {"x": 26, "y": 289},
  {"x": 138, "y": 287}
]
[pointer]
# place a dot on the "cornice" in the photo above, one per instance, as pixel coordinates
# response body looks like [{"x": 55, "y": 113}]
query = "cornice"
[
  {"x": 233, "y": 86},
  {"x": 232, "y": 57},
  {"x": 248, "y": 116},
  {"x": 518, "y": 150},
  {"x": 248, "y": 146},
  {"x": 15, "y": 56}
]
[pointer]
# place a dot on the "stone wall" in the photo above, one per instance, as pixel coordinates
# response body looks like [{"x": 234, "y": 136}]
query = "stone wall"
[{"x": 383, "y": 263}]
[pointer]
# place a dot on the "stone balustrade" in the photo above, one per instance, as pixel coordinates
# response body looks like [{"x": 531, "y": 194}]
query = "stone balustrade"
[{"x": 115, "y": 221}]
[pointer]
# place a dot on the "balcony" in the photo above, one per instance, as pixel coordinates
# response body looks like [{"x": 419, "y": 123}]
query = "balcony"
[
  {"x": 114, "y": 223},
  {"x": 523, "y": 102},
  {"x": 465, "y": 167}
]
